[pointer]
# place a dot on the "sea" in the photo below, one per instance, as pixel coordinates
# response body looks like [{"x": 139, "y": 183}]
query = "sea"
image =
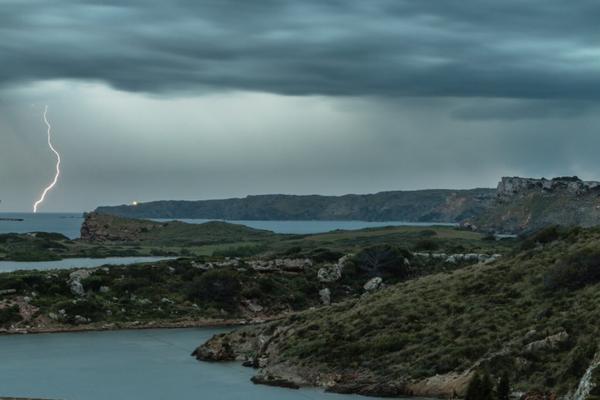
[
  {"x": 130, "y": 365},
  {"x": 69, "y": 224}
]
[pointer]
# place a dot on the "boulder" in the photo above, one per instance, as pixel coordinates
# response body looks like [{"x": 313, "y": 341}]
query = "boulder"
[
  {"x": 215, "y": 349},
  {"x": 75, "y": 279},
  {"x": 325, "y": 295},
  {"x": 253, "y": 306},
  {"x": 373, "y": 284},
  {"x": 271, "y": 380},
  {"x": 329, "y": 273}
]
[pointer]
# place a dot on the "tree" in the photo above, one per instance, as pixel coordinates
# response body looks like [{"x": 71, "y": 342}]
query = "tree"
[
  {"x": 480, "y": 388},
  {"x": 503, "y": 388},
  {"x": 474, "y": 388},
  {"x": 384, "y": 260}
]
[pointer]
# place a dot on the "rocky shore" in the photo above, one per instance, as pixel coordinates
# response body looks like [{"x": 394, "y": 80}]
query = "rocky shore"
[{"x": 97, "y": 327}]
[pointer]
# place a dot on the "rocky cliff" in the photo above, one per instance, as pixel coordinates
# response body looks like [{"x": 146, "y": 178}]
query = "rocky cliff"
[{"x": 525, "y": 204}]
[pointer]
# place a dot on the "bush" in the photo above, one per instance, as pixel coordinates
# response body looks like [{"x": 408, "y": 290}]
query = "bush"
[
  {"x": 325, "y": 255},
  {"x": 9, "y": 315},
  {"x": 543, "y": 236},
  {"x": 503, "y": 388},
  {"x": 218, "y": 286},
  {"x": 480, "y": 388},
  {"x": 384, "y": 260},
  {"x": 575, "y": 270},
  {"x": 426, "y": 245},
  {"x": 89, "y": 308}
]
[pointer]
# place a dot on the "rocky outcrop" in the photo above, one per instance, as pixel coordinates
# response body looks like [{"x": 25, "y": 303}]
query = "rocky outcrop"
[
  {"x": 550, "y": 343},
  {"x": 106, "y": 228},
  {"x": 216, "y": 349},
  {"x": 271, "y": 380},
  {"x": 373, "y": 284},
  {"x": 460, "y": 257},
  {"x": 524, "y": 204},
  {"x": 515, "y": 186},
  {"x": 75, "y": 279},
  {"x": 448, "y": 385},
  {"x": 325, "y": 296}
]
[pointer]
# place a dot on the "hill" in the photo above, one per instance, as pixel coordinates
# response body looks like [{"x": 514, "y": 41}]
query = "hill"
[
  {"x": 411, "y": 206},
  {"x": 531, "y": 315},
  {"x": 517, "y": 205},
  {"x": 100, "y": 228}
]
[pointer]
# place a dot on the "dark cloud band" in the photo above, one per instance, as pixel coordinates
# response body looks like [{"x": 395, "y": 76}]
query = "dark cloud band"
[{"x": 539, "y": 49}]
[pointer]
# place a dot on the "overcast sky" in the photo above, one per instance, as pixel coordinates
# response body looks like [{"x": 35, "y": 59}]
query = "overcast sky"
[{"x": 198, "y": 99}]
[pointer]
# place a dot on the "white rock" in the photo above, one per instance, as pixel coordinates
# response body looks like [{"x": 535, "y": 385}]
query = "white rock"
[
  {"x": 325, "y": 295},
  {"x": 329, "y": 273},
  {"x": 373, "y": 284}
]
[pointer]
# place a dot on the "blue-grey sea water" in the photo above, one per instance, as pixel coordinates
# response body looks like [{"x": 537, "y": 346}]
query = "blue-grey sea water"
[
  {"x": 9, "y": 266},
  {"x": 69, "y": 224},
  {"x": 129, "y": 365}
]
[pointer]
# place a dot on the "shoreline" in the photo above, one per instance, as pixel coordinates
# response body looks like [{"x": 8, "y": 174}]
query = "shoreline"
[{"x": 135, "y": 325}]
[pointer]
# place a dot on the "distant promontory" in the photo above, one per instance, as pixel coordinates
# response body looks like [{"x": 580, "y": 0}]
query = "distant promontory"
[{"x": 516, "y": 205}]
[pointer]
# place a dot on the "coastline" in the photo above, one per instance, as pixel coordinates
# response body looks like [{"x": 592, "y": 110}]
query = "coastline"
[{"x": 136, "y": 325}]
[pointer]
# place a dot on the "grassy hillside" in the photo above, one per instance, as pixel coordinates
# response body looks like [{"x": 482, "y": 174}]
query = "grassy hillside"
[{"x": 532, "y": 315}]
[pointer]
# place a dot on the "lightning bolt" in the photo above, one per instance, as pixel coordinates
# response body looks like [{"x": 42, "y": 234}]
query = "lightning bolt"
[{"x": 41, "y": 200}]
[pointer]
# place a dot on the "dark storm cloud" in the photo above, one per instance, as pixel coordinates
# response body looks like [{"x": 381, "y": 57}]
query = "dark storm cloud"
[{"x": 539, "y": 49}]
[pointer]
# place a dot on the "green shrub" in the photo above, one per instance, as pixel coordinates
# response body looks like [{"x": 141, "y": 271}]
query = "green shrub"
[
  {"x": 9, "y": 315},
  {"x": 384, "y": 260},
  {"x": 480, "y": 388},
  {"x": 503, "y": 388},
  {"x": 426, "y": 245},
  {"x": 575, "y": 270},
  {"x": 543, "y": 236},
  {"x": 89, "y": 308},
  {"x": 325, "y": 255},
  {"x": 220, "y": 286}
]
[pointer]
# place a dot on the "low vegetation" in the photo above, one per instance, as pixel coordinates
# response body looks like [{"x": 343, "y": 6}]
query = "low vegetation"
[{"x": 530, "y": 318}]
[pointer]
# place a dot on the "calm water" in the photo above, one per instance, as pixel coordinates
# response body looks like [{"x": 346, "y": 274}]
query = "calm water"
[
  {"x": 8, "y": 266},
  {"x": 129, "y": 365},
  {"x": 67, "y": 224},
  {"x": 70, "y": 224},
  {"x": 307, "y": 227}
]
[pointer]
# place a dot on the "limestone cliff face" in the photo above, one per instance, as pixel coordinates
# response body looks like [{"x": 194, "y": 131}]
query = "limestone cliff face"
[
  {"x": 509, "y": 187},
  {"x": 106, "y": 228},
  {"x": 525, "y": 204}
]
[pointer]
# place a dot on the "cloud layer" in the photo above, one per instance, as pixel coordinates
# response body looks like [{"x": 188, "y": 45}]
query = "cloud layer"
[
  {"x": 536, "y": 49},
  {"x": 196, "y": 99}
]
